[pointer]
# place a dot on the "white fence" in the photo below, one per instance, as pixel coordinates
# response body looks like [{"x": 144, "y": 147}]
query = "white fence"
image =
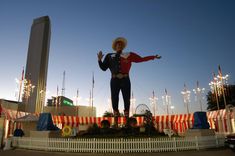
[{"x": 118, "y": 145}]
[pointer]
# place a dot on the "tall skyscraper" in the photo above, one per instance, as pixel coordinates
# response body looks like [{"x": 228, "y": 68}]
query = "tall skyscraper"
[{"x": 37, "y": 65}]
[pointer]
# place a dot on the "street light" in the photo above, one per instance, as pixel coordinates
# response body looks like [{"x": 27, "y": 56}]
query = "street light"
[
  {"x": 166, "y": 101},
  {"x": 132, "y": 102},
  {"x": 198, "y": 92},
  {"x": 77, "y": 98},
  {"x": 28, "y": 90},
  {"x": 17, "y": 92},
  {"x": 153, "y": 103},
  {"x": 41, "y": 100},
  {"x": 90, "y": 100},
  {"x": 214, "y": 86},
  {"x": 172, "y": 109},
  {"x": 217, "y": 86},
  {"x": 110, "y": 105},
  {"x": 186, "y": 97}
]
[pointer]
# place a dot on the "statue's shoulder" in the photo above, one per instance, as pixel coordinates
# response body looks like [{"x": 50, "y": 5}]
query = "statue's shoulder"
[
  {"x": 111, "y": 55},
  {"x": 125, "y": 54}
]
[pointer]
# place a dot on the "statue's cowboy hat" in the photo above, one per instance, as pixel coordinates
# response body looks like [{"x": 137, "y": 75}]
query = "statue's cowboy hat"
[{"x": 119, "y": 39}]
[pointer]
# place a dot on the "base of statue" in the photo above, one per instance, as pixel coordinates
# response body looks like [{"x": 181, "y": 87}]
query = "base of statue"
[
  {"x": 199, "y": 132},
  {"x": 45, "y": 134}
]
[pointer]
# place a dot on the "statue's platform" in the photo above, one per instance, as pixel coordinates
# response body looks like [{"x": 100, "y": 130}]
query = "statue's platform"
[
  {"x": 199, "y": 132},
  {"x": 45, "y": 134}
]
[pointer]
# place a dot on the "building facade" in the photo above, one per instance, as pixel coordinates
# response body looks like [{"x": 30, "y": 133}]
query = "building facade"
[
  {"x": 37, "y": 65},
  {"x": 59, "y": 101}
]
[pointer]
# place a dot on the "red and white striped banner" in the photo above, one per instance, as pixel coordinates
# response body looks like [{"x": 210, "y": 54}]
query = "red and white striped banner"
[{"x": 179, "y": 123}]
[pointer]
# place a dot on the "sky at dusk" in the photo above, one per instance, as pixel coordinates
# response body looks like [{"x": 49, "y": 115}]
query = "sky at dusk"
[{"x": 193, "y": 37}]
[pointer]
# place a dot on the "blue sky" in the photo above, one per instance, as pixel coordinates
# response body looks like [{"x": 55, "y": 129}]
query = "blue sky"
[{"x": 193, "y": 37}]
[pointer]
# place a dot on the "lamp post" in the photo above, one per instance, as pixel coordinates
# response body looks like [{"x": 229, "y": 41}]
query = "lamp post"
[
  {"x": 41, "y": 99},
  {"x": 198, "y": 92},
  {"x": 153, "y": 103},
  {"x": 166, "y": 101},
  {"x": 217, "y": 87},
  {"x": 17, "y": 91},
  {"x": 132, "y": 101},
  {"x": 90, "y": 100},
  {"x": 172, "y": 109},
  {"x": 110, "y": 105},
  {"x": 223, "y": 80},
  {"x": 214, "y": 85},
  {"x": 186, "y": 97},
  {"x": 77, "y": 98},
  {"x": 28, "y": 89}
]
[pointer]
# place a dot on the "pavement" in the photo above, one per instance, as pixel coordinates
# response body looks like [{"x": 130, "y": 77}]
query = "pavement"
[{"x": 208, "y": 152}]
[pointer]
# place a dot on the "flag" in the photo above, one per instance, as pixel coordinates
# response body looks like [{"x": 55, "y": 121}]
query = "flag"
[{"x": 165, "y": 91}]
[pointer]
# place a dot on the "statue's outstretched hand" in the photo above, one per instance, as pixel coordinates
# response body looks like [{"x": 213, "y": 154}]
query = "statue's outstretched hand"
[
  {"x": 158, "y": 56},
  {"x": 100, "y": 56}
]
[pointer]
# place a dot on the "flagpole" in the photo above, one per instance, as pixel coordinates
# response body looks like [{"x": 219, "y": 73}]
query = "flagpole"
[
  {"x": 200, "y": 102},
  {"x": 225, "y": 104},
  {"x": 221, "y": 79},
  {"x": 77, "y": 97},
  {"x": 21, "y": 81},
  {"x": 90, "y": 104},
  {"x": 216, "y": 94},
  {"x": 167, "y": 102},
  {"x": 90, "y": 99},
  {"x": 154, "y": 106},
  {"x": 57, "y": 91},
  {"x": 92, "y": 93},
  {"x": 92, "y": 90}
]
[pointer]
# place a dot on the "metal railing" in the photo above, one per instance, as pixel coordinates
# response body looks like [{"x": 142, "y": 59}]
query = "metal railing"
[{"x": 118, "y": 145}]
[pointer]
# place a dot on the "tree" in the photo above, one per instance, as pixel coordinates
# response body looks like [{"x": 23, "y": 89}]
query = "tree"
[
  {"x": 108, "y": 114},
  {"x": 229, "y": 91}
]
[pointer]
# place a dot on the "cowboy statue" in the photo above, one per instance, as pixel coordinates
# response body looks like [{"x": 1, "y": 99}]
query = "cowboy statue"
[{"x": 119, "y": 63}]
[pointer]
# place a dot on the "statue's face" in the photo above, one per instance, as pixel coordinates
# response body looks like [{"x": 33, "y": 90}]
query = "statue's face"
[{"x": 119, "y": 46}]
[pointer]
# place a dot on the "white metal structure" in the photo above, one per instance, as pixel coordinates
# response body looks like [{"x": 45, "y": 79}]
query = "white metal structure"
[{"x": 118, "y": 145}]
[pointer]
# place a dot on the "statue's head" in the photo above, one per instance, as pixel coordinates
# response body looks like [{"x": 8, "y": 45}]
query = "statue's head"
[{"x": 119, "y": 44}]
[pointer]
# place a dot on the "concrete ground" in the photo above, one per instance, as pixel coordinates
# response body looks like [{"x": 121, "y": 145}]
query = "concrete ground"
[{"x": 210, "y": 152}]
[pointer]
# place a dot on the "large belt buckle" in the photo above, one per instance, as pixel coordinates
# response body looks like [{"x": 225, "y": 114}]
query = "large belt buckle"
[{"x": 120, "y": 76}]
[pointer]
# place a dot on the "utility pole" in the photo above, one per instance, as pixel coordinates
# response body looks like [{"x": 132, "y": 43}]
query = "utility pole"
[{"x": 63, "y": 85}]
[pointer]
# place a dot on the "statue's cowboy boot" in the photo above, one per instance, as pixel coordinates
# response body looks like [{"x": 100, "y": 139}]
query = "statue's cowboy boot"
[
  {"x": 126, "y": 114},
  {"x": 116, "y": 115}
]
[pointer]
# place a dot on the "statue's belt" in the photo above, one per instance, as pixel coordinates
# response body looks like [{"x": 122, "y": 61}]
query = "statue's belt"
[{"x": 120, "y": 75}]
